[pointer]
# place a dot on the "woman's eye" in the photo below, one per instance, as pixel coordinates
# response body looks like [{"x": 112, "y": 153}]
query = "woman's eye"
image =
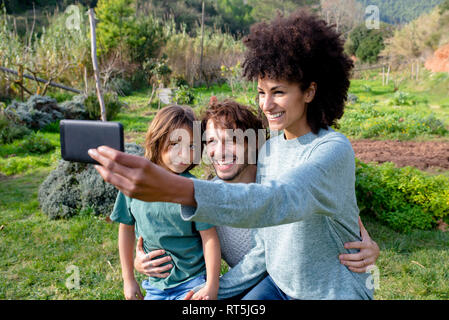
[{"x": 278, "y": 92}]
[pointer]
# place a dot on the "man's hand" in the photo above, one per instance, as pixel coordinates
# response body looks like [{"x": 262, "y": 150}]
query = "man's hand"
[
  {"x": 367, "y": 256},
  {"x": 148, "y": 265},
  {"x": 141, "y": 179}
]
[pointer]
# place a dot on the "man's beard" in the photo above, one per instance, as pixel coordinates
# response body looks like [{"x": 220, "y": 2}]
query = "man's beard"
[{"x": 238, "y": 172}]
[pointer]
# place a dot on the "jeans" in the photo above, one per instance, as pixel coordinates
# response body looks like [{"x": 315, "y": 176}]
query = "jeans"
[
  {"x": 176, "y": 293},
  {"x": 266, "y": 290}
]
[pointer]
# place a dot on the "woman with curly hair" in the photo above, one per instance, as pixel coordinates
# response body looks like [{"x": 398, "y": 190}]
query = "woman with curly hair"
[{"x": 304, "y": 200}]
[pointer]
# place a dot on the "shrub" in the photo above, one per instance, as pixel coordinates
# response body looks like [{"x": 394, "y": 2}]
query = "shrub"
[
  {"x": 9, "y": 131},
  {"x": 403, "y": 99},
  {"x": 75, "y": 187},
  {"x": 39, "y": 112},
  {"x": 75, "y": 109},
  {"x": 112, "y": 104},
  {"x": 367, "y": 122},
  {"x": 183, "y": 95},
  {"x": 120, "y": 86},
  {"x": 36, "y": 113},
  {"x": 36, "y": 143},
  {"x": 403, "y": 198}
]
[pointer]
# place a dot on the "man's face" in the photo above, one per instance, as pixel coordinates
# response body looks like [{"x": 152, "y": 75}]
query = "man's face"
[{"x": 229, "y": 156}]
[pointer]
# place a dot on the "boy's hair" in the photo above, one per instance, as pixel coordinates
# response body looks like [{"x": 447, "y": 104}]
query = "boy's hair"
[
  {"x": 302, "y": 49},
  {"x": 164, "y": 123}
]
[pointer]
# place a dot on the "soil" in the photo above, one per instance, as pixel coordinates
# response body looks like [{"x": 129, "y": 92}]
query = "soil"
[
  {"x": 432, "y": 156},
  {"x": 439, "y": 62}
]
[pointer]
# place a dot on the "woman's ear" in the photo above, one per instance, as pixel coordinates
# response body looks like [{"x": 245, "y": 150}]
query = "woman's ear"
[{"x": 310, "y": 92}]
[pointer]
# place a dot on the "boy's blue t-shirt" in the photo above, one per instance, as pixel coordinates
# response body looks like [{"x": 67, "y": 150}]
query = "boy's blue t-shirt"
[{"x": 161, "y": 227}]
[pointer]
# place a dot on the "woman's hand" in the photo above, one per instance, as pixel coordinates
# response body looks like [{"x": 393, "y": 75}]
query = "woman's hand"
[
  {"x": 141, "y": 179},
  {"x": 148, "y": 265},
  {"x": 367, "y": 256},
  {"x": 131, "y": 290}
]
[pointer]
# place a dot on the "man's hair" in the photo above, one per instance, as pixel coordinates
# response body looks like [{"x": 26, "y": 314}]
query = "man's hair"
[
  {"x": 229, "y": 114},
  {"x": 302, "y": 49},
  {"x": 164, "y": 123}
]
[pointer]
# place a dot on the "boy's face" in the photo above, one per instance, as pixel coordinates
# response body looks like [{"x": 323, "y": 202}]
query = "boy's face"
[
  {"x": 228, "y": 156},
  {"x": 178, "y": 153}
]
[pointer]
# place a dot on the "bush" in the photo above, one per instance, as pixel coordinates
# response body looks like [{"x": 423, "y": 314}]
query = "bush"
[
  {"x": 36, "y": 113},
  {"x": 403, "y": 198},
  {"x": 403, "y": 99},
  {"x": 36, "y": 143},
  {"x": 75, "y": 109},
  {"x": 75, "y": 187},
  {"x": 10, "y": 131},
  {"x": 39, "y": 112},
  {"x": 366, "y": 122},
  {"x": 112, "y": 104},
  {"x": 183, "y": 95},
  {"x": 120, "y": 86}
]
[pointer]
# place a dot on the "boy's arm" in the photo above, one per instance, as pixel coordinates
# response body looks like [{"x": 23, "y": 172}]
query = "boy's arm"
[
  {"x": 212, "y": 256},
  {"x": 126, "y": 239}
]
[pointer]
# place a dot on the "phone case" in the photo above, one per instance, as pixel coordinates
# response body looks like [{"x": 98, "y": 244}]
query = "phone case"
[{"x": 78, "y": 136}]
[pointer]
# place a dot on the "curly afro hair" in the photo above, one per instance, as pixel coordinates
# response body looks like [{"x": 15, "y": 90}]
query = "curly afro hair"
[{"x": 302, "y": 49}]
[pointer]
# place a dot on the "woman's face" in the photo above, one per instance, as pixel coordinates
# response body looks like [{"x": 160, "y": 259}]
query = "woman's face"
[{"x": 285, "y": 105}]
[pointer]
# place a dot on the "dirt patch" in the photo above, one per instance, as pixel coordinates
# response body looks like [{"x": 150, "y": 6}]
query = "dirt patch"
[
  {"x": 439, "y": 62},
  {"x": 428, "y": 156}
]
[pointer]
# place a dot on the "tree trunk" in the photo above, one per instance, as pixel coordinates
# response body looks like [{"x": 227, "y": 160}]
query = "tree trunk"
[
  {"x": 202, "y": 42},
  {"x": 93, "y": 39}
]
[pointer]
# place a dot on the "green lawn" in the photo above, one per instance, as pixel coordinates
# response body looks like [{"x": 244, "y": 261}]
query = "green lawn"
[{"x": 37, "y": 252}]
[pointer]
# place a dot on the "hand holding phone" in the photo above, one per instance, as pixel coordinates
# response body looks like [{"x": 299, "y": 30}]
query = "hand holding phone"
[{"x": 78, "y": 136}]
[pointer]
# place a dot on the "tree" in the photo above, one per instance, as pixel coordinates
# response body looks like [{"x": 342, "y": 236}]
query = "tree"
[
  {"x": 344, "y": 14},
  {"x": 267, "y": 9},
  {"x": 366, "y": 44},
  {"x": 444, "y": 6}
]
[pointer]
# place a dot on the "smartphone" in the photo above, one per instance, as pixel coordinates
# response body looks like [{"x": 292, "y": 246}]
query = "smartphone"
[{"x": 78, "y": 136}]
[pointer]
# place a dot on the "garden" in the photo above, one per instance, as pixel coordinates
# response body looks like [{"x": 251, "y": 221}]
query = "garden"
[{"x": 56, "y": 240}]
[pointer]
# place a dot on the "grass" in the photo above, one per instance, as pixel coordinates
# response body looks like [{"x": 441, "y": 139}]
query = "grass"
[
  {"x": 412, "y": 266},
  {"x": 37, "y": 253}
]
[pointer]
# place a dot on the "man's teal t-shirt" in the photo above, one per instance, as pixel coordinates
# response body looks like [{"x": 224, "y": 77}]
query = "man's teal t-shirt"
[{"x": 161, "y": 227}]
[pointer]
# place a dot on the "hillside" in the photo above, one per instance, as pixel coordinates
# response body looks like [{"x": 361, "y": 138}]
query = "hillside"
[{"x": 401, "y": 11}]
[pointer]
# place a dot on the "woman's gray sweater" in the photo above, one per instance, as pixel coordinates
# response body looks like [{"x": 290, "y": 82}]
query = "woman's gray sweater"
[{"x": 305, "y": 207}]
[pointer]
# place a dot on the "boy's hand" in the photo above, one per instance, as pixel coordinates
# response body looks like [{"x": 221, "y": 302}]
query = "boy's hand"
[
  {"x": 131, "y": 290},
  {"x": 205, "y": 293}
]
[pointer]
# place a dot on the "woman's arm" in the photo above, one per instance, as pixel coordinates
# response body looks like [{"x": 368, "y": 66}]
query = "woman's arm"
[
  {"x": 212, "y": 256},
  {"x": 126, "y": 240},
  {"x": 141, "y": 179},
  {"x": 316, "y": 186}
]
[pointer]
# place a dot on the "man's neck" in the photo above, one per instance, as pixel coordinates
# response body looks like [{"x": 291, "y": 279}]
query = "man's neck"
[{"x": 246, "y": 176}]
